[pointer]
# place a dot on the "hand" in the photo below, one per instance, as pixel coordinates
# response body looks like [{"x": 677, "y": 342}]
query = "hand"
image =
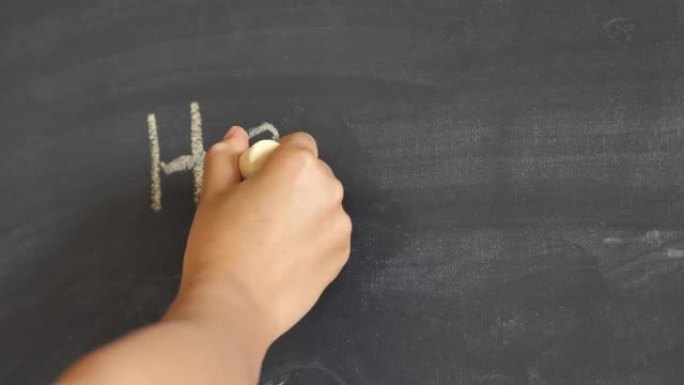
[
  {"x": 267, "y": 247},
  {"x": 259, "y": 255}
]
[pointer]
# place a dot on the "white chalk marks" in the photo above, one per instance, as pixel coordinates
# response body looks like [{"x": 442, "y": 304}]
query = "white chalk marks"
[
  {"x": 196, "y": 147},
  {"x": 190, "y": 162},
  {"x": 675, "y": 253},
  {"x": 182, "y": 163},
  {"x": 155, "y": 185},
  {"x": 653, "y": 238},
  {"x": 262, "y": 128},
  {"x": 619, "y": 30}
]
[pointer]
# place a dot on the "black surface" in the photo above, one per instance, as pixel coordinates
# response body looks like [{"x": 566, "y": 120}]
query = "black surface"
[{"x": 514, "y": 170}]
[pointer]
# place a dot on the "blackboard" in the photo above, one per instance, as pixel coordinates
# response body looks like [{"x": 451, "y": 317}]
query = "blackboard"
[{"x": 514, "y": 169}]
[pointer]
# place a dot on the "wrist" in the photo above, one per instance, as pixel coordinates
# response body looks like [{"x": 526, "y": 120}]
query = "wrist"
[{"x": 223, "y": 311}]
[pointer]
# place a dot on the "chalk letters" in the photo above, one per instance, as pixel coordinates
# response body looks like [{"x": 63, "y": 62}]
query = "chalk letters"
[{"x": 193, "y": 161}]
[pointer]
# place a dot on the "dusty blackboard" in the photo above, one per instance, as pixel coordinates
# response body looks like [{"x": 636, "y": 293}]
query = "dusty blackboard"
[{"x": 514, "y": 169}]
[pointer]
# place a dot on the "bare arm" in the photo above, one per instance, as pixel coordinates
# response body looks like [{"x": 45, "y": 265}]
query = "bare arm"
[{"x": 259, "y": 254}]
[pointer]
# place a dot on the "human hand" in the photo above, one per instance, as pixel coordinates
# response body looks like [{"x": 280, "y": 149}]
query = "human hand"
[{"x": 267, "y": 247}]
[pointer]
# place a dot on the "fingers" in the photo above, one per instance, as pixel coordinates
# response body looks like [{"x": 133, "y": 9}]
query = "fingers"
[
  {"x": 326, "y": 168},
  {"x": 235, "y": 130},
  {"x": 221, "y": 170},
  {"x": 295, "y": 154},
  {"x": 298, "y": 155},
  {"x": 337, "y": 245},
  {"x": 307, "y": 142},
  {"x": 300, "y": 140}
]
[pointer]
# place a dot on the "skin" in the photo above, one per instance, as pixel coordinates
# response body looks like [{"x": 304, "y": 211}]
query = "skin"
[{"x": 259, "y": 254}]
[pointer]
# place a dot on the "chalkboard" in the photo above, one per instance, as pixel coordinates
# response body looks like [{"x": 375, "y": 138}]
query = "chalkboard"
[{"x": 514, "y": 169}]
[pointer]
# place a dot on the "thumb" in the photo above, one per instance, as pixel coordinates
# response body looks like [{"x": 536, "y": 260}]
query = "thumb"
[{"x": 221, "y": 170}]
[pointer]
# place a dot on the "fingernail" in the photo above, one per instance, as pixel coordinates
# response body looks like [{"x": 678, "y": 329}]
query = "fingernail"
[{"x": 230, "y": 132}]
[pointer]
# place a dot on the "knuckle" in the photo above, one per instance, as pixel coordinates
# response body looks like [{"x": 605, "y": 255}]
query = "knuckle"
[
  {"x": 345, "y": 254},
  {"x": 347, "y": 224},
  {"x": 302, "y": 157},
  {"x": 304, "y": 136},
  {"x": 336, "y": 190}
]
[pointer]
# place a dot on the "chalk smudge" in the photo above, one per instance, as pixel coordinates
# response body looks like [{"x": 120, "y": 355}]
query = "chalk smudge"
[
  {"x": 652, "y": 238},
  {"x": 675, "y": 253},
  {"x": 620, "y": 29}
]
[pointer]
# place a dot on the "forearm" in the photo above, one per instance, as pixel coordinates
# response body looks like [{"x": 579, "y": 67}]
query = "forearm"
[
  {"x": 259, "y": 255},
  {"x": 201, "y": 340}
]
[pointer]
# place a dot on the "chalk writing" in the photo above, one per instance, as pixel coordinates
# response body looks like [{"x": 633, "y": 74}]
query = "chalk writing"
[
  {"x": 155, "y": 185},
  {"x": 263, "y": 128},
  {"x": 190, "y": 162}
]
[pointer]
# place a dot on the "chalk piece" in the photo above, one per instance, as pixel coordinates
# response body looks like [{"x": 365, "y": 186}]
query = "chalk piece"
[{"x": 252, "y": 159}]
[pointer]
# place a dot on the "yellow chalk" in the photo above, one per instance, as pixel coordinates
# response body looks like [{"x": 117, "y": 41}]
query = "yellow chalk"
[{"x": 252, "y": 159}]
